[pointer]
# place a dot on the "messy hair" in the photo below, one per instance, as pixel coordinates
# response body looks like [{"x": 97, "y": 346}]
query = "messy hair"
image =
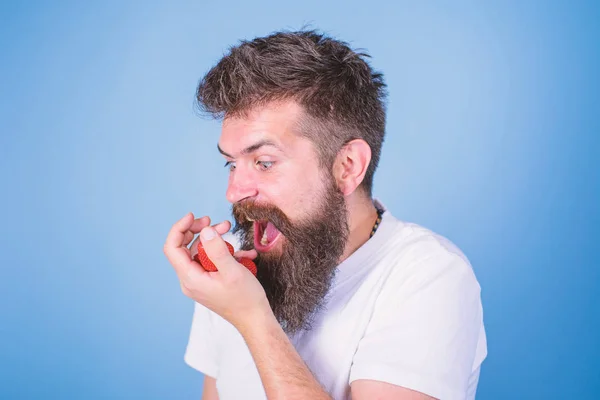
[{"x": 342, "y": 97}]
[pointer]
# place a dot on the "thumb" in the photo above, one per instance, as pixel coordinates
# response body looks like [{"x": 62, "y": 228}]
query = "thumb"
[{"x": 217, "y": 250}]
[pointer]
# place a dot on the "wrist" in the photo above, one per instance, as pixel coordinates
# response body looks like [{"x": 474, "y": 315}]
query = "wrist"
[{"x": 261, "y": 318}]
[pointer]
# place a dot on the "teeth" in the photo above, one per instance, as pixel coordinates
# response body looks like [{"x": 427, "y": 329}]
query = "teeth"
[
  {"x": 250, "y": 219},
  {"x": 264, "y": 241}
]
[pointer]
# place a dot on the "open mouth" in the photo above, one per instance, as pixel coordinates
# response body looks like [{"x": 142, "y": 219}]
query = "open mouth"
[{"x": 265, "y": 235}]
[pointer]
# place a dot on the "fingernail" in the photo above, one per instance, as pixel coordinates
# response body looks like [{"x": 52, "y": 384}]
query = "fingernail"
[{"x": 208, "y": 233}]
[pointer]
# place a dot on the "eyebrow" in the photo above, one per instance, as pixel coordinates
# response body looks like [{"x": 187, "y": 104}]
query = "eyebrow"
[{"x": 252, "y": 148}]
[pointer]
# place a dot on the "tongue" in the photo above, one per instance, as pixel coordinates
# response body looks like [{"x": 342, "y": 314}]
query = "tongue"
[{"x": 272, "y": 232}]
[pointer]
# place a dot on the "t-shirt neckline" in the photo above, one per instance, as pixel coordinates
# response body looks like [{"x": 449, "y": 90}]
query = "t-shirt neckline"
[{"x": 358, "y": 259}]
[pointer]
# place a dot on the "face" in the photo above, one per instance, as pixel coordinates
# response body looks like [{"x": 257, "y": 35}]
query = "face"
[{"x": 287, "y": 208}]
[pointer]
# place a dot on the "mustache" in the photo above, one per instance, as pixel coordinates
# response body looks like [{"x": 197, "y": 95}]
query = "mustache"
[{"x": 251, "y": 209}]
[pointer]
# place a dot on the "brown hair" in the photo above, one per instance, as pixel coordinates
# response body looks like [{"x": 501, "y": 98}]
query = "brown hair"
[{"x": 342, "y": 96}]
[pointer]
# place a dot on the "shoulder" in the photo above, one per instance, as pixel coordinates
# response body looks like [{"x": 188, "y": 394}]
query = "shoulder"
[
  {"x": 424, "y": 245},
  {"x": 425, "y": 330},
  {"x": 416, "y": 256}
]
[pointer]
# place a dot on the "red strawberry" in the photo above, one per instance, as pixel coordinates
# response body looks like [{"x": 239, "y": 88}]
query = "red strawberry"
[
  {"x": 229, "y": 246},
  {"x": 248, "y": 263},
  {"x": 203, "y": 259}
]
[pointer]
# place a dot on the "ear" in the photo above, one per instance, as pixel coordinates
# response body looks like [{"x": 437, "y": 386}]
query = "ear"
[{"x": 351, "y": 164}]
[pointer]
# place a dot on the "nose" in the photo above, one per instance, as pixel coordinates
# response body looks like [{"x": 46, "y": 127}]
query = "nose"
[{"x": 241, "y": 185}]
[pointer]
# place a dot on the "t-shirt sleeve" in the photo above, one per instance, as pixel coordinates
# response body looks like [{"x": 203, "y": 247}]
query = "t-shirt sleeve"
[
  {"x": 201, "y": 352},
  {"x": 425, "y": 328}
]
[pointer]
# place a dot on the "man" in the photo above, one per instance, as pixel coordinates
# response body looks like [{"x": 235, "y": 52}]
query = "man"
[{"x": 348, "y": 300}]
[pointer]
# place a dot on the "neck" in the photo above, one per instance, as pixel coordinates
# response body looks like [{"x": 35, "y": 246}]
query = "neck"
[{"x": 362, "y": 215}]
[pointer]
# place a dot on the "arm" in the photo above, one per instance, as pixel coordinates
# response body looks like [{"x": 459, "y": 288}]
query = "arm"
[
  {"x": 283, "y": 372},
  {"x": 210, "y": 389},
  {"x": 237, "y": 296},
  {"x": 366, "y": 389}
]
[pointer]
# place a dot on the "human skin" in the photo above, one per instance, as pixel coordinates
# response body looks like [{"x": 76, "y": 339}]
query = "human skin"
[{"x": 271, "y": 163}]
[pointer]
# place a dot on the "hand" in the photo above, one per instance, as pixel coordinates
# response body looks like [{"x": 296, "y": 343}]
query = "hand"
[{"x": 232, "y": 291}]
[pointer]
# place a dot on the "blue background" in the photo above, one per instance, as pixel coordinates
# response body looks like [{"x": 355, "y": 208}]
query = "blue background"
[{"x": 492, "y": 140}]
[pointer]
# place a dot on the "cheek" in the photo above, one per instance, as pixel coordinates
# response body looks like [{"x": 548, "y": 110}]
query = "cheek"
[
  {"x": 297, "y": 197},
  {"x": 283, "y": 193}
]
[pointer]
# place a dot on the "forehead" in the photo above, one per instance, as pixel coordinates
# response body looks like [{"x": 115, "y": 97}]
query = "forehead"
[{"x": 275, "y": 122}]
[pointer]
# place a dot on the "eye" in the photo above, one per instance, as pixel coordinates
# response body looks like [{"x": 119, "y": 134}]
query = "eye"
[
  {"x": 265, "y": 165},
  {"x": 230, "y": 164}
]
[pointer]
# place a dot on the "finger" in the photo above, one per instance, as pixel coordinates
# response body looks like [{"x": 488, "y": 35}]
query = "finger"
[
  {"x": 179, "y": 256},
  {"x": 183, "y": 264},
  {"x": 196, "y": 227},
  {"x": 200, "y": 224},
  {"x": 222, "y": 227},
  {"x": 194, "y": 247},
  {"x": 251, "y": 254},
  {"x": 217, "y": 250},
  {"x": 176, "y": 234},
  {"x": 187, "y": 238}
]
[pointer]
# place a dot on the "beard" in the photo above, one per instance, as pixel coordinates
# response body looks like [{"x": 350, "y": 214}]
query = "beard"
[{"x": 297, "y": 277}]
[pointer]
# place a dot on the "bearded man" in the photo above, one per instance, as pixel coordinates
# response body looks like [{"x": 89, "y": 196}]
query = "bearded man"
[{"x": 348, "y": 301}]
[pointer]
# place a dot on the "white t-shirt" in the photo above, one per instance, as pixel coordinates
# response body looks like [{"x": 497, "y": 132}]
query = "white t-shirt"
[{"x": 404, "y": 308}]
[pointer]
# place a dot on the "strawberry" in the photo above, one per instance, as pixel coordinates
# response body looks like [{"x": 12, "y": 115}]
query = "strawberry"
[
  {"x": 203, "y": 259},
  {"x": 208, "y": 265},
  {"x": 201, "y": 248},
  {"x": 248, "y": 263}
]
